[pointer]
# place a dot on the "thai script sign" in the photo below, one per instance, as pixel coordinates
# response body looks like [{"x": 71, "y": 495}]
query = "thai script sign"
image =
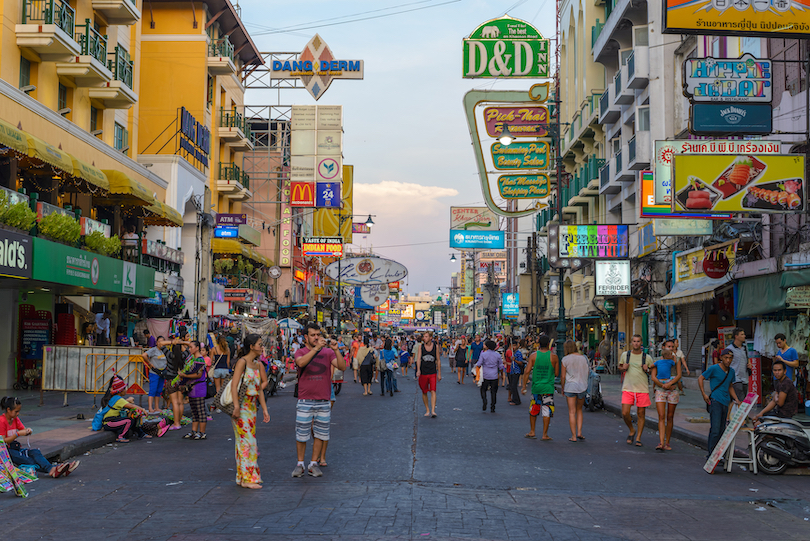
[
  {"x": 744, "y": 79},
  {"x": 505, "y": 47},
  {"x": 473, "y": 240},
  {"x": 770, "y": 19},
  {"x": 510, "y": 305},
  {"x": 520, "y": 155},
  {"x": 523, "y": 186},
  {"x": 522, "y": 121}
]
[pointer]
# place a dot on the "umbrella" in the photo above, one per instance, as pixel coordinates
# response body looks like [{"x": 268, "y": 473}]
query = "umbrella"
[{"x": 288, "y": 323}]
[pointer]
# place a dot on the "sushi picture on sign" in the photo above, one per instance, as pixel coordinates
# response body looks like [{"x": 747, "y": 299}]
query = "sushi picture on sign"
[{"x": 743, "y": 183}]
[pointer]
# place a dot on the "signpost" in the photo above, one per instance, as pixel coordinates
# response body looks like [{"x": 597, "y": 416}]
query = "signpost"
[{"x": 508, "y": 48}]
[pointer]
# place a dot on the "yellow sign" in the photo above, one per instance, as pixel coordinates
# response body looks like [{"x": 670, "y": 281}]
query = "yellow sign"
[
  {"x": 689, "y": 265},
  {"x": 407, "y": 310},
  {"x": 466, "y": 300},
  {"x": 325, "y": 221},
  {"x": 320, "y": 317},
  {"x": 779, "y": 18},
  {"x": 737, "y": 184}
]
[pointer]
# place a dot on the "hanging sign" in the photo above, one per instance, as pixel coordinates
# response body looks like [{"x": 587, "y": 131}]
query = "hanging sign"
[
  {"x": 769, "y": 19},
  {"x": 730, "y": 118},
  {"x": 322, "y": 247},
  {"x": 366, "y": 270},
  {"x": 593, "y": 241},
  {"x": 510, "y": 305},
  {"x": 745, "y": 79},
  {"x": 231, "y": 219},
  {"x": 524, "y": 186},
  {"x": 522, "y": 121},
  {"x": 473, "y": 218},
  {"x": 649, "y": 209},
  {"x": 505, "y": 48},
  {"x": 797, "y": 297},
  {"x": 613, "y": 278},
  {"x": 520, "y": 155},
  {"x": 715, "y": 264}
]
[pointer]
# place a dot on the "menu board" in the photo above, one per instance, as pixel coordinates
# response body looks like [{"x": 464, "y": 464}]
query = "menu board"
[{"x": 35, "y": 334}]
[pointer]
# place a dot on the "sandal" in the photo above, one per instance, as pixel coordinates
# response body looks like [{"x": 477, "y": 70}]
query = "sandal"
[
  {"x": 667, "y": 448},
  {"x": 639, "y": 444},
  {"x": 199, "y": 436},
  {"x": 72, "y": 467},
  {"x": 189, "y": 436},
  {"x": 122, "y": 440},
  {"x": 322, "y": 464},
  {"x": 659, "y": 447},
  {"x": 530, "y": 436},
  {"x": 630, "y": 439}
]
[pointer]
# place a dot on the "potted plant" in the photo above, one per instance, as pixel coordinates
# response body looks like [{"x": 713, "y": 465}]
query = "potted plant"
[{"x": 60, "y": 228}]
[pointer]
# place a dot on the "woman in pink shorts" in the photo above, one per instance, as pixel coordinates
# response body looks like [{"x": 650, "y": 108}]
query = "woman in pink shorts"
[{"x": 666, "y": 395}]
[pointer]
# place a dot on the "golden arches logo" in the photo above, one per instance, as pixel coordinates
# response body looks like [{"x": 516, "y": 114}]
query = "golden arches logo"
[{"x": 302, "y": 194}]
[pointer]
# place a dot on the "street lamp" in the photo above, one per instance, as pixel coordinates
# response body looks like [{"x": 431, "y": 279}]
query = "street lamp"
[
  {"x": 453, "y": 258},
  {"x": 341, "y": 220},
  {"x": 506, "y": 137},
  {"x": 369, "y": 222}
]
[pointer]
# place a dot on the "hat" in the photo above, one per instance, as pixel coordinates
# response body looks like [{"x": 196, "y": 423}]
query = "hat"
[
  {"x": 726, "y": 351},
  {"x": 118, "y": 385}
]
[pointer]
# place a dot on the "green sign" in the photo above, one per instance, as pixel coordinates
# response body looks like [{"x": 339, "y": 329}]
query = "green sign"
[
  {"x": 523, "y": 186},
  {"x": 60, "y": 264},
  {"x": 520, "y": 155},
  {"x": 505, "y": 48}
]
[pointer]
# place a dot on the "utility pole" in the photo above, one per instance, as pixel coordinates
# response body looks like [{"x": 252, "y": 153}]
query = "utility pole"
[{"x": 561, "y": 326}]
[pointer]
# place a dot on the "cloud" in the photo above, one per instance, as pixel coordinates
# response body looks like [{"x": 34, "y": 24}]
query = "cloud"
[{"x": 400, "y": 199}]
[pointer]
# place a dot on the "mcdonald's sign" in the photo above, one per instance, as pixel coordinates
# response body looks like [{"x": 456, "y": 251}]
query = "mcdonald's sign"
[{"x": 302, "y": 194}]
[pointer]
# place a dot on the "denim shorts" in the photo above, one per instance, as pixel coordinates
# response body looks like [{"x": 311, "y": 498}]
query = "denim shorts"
[
  {"x": 219, "y": 373},
  {"x": 581, "y": 395}
]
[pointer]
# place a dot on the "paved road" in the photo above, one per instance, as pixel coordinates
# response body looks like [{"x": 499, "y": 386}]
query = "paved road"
[{"x": 394, "y": 474}]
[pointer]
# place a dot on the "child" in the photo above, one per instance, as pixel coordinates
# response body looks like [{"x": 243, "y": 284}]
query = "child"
[
  {"x": 117, "y": 419},
  {"x": 11, "y": 428}
]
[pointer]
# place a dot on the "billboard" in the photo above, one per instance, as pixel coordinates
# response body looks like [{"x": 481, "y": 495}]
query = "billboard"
[
  {"x": 322, "y": 247},
  {"x": 285, "y": 227},
  {"x": 613, "y": 278},
  {"x": 593, "y": 241},
  {"x": 475, "y": 240},
  {"x": 317, "y": 67},
  {"x": 524, "y": 186},
  {"x": 737, "y": 184},
  {"x": 522, "y": 120},
  {"x": 325, "y": 221},
  {"x": 510, "y": 305},
  {"x": 651, "y": 210},
  {"x": 505, "y": 47},
  {"x": 520, "y": 155},
  {"x": 366, "y": 270},
  {"x": 647, "y": 241},
  {"x": 477, "y": 218},
  {"x": 769, "y": 19},
  {"x": 744, "y": 79}
]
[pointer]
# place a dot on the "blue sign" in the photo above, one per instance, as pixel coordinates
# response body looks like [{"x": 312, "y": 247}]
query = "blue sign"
[
  {"x": 731, "y": 118},
  {"x": 226, "y": 232},
  {"x": 327, "y": 195},
  {"x": 477, "y": 239},
  {"x": 359, "y": 303},
  {"x": 510, "y": 305}
]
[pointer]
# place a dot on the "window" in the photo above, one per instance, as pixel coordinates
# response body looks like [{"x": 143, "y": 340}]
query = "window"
[
  {"x": 25, "y": 72},
  {"x": 120, "y": 138},
  {"x": 210, "y": 91},
  {"x": 643, "y": 115},
  {"x": 94, "y": 121},
  {"x": 63, "y": 97}
]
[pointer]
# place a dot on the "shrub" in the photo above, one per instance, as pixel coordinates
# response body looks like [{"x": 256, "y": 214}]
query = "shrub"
[{"x": 60, "y": 227}]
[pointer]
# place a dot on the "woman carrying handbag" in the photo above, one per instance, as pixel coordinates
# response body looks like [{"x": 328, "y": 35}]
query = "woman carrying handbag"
[{"x": 248, "y": 372}]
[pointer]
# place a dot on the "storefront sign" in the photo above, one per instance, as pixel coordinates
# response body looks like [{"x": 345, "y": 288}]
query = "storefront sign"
[
  {"x": 649, "y": 209},
  {"x": 520, "y": 155},
  {"x": 60, "y": 264},
  {"x": 231, "y": 219},
  {"x": 195, "y": 138},
  {"x": 745, "y": 79},
  {"x": 475, "y": 218},
  {"x": 238, "y": 295},
  {"x": 465, "y": 300},
  {"x": 360, "y": 228},
  {"x": 730, "y": 118},
  {"x": 715, "y": 264},
  {"x": 250, "y": 235},
  {"x": 366, "y": 270},
  {"x": 523, "y": 186},
  {"x": 322, "y": 247},
  {"x": 161, "y": 251},
  {"x": 682, "y": 228},
  {"x": 285, "y": 227},
  {"x": 613, "y": 278},
  {"x": 302, "y": 194},
  {"x": 302, "y": 168},
  {"x": 89, "y": 226},
  {"x": 510, "y": 305},
  {"x": 15, "y": 255},
  {"x": 329, "y": 143},
  {"x": 317, "y": 68},
  {"x": 665, "y": 152},
  {"x": 300, "y": 275},
  {"x": 774, "y": 19},
  {"x": 647, "y": 241},
  {"x": 505, "y": 47},
  {"x": 472, "y": 240},
  {"x": 407, "y": 310},
  {"x": 522, "y": 121},
  {"x": 226, "y": 232},
  {"x": 329, "y": 169},
  {"x": 593, "y": 241},
  {"x": 498, "y": 267},
  {"x": 797, "y": 297},
  {"x": 35, "y": 334},
  {"x": 689, "y": 264},
  {"x": 739, "y": 184},
  {"x": 327, "y": 195}
]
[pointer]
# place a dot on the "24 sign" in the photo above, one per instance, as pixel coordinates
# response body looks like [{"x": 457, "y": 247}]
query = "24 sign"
[{"x": 505, "y": 48}]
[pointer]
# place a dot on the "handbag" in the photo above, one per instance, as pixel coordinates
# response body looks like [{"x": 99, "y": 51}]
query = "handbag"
[
  {"x": 223, "y": 400},
  {"x": 210, "y": 388},
  {"x": 708, "y": 406}
]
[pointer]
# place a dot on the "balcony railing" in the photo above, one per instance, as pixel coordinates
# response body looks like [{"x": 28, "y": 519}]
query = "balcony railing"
[
  {"x": 595, "y": 31},
  {"x": 121, "y": 66},
  {"x": 604, "y": 103},
  {"x": 221, "y": 47},
  {"x": 617, "y": 82},
  {"x": 604, "y": 175},
  {"x": 93, "y": 44},
  {"x": 631, "y": 65},
  {"x": 233, "y": 119},
  {"x": 232, "y": 172},
  {"x": 631, "y": 150},
  {"x": 50, "y": 12},
  {"x": 618, "y": 158}
]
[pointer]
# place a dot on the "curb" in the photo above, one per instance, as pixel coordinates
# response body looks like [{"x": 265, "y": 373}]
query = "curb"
[
  {"x": 692, "y": 438},
  {"x": 80, "y": 446}
]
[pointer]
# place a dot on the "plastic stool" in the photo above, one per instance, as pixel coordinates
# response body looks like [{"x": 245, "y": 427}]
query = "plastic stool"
[{"x": 752, "y": 452}]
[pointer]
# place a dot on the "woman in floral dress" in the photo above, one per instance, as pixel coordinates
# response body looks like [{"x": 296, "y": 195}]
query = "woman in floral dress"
[{"x": 244, "y": 413}]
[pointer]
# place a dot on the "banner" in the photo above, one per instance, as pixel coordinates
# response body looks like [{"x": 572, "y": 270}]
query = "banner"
[
  {"x": 472, "y": 240},
  {"x": 768, "y": 19},
  {"x": 325, "y": 221},
  {"x": 593, "y": 241},
  {"x": 739, "y": 184}
]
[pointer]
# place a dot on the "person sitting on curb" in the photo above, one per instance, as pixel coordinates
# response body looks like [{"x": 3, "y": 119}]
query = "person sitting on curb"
[
  {"x": 117, "y": 419},
  {"x": 11, "y": 428}
]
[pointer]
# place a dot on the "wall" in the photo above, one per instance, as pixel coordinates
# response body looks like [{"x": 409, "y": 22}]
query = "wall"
[{"x": 8, "y": 337}]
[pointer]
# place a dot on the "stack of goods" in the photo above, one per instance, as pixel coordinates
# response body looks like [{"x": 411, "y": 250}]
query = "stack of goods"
[{"x": 65, "y": 330}]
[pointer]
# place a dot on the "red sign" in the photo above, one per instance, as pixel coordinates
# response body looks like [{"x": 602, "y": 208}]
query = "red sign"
[
  {"x": 393, "y": 285},
  {"x": 302, "y": 194},
  {"x": 135, "y": 389},
  {"x": 300, "y": 275},
  {"x": 522, "y": 121},
  {"x": 756, "y": 378},
  {"x": 715, "y": 264},
  {"x": 360, "y": 228}
]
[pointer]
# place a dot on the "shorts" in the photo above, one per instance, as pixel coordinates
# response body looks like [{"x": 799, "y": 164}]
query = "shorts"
[
  {"x": 542, "y": 403},
  {"x": 581, "y": 395},
  {"x": 220, "y": 373},
  {"x": 671, "y": 396},
  {"x": 427, "y": 382},
  {"x": 312, "y": 416},
  {"x": 155, "y": 384},
  {"x": 640, "y": 400},
  {"x": 332, "y": 398}
]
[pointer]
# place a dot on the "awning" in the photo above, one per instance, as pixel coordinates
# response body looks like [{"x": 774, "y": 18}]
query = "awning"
[
  {"x": 163, "y": 214},
  {"x": 91, "y": 174},
  {"x": 760, "y": 295},
  {"x": 694, "y": 290},
  {"x": 231, "y": 246},
  {"x": 13, "y": 138},
  {"x": 128, "y": 190},
  {"x": 39, "y": 149},
  {"x": 795, "y": 278}
]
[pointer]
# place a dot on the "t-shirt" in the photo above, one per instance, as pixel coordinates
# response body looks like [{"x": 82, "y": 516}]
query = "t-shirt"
[
  {"x": 156, "y": 358},
  {"x": 635, "y": 379},
  {"x": 543, "y": 373},
  {"x": 404, "y": 356},
  {"x": 490, "y": 362},
  {"x": 507, "y": 360},
  {"x": 476, "y": 349},
  {"x": 576, "y": 373},
  {"x": 791, "y": 405},
  {"x": 151, "y": 342},
  {"x": 789, "y": 355},
  {"x": 16, "y": 424},
  {"x": 665, "y": 367},
  {"x": 517, "y": 362},
  {"x": 427, "y": 362},
  {"x": 715, "y": 374},
  {"x": 739, "y": 363},
  {"x": 116, "y": 404},
  {"x": 198, "y": 386},
  {"x": 315, "y": 379},
  {"x": 123, "y": 340}
]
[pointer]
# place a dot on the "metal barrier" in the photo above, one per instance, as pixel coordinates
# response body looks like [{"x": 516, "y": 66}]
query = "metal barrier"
[{"x": 89, "y": 369}]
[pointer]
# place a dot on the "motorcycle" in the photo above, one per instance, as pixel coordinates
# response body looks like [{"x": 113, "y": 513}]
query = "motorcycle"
[
  {"x": 275, "y": 374},
  {"x": 782, "y": 443},
  {"x": 593, "y": 398},
  {"x": 337, "y": 381}
]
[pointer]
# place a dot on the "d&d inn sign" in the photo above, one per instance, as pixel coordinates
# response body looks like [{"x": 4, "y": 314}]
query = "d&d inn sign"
[{"x": 505, "y": 47}]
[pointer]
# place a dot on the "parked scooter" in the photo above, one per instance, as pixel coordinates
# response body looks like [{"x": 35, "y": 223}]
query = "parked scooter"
[
  {"x": 782, "y": 443},
  {"x": 337, "y": 381},
  {"x": 593, "y": 398},
  {"x": 275, "y": 374}
]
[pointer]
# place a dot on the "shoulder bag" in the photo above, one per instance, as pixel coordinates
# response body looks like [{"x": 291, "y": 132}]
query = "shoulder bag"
[
  {"x": 224, "y": 398},
  {"x": 708, "y": 406}
]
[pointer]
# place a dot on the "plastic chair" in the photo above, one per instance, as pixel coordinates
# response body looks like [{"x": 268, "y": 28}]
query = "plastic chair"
[{"x": 752, "y": 452}]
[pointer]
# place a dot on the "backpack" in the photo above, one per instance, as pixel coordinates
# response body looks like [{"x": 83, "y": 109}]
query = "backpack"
[
  {"x": 626, "y": 357},
  {"x": 98, "y": 418}
]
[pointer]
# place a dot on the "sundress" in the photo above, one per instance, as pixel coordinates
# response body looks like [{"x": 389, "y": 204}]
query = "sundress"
[{"x": 244, "y": 429}]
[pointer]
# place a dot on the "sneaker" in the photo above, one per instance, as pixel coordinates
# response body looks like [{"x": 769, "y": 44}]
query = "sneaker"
[
  {"x": 199, "y": 436},
  {"x": 298, "y": 471},
  {"x": 314, "y": 470}
]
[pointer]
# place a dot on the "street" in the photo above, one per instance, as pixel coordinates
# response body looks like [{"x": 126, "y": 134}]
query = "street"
[{"x": 394, "y": 474}]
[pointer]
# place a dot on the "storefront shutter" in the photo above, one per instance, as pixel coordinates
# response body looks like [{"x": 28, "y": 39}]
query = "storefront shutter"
[{"x": 694, "y": 324}]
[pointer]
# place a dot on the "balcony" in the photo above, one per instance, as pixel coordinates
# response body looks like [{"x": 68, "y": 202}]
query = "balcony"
[
  {"x": 614, "y": 24},
  {"x": 47, "y": 28},
  {"x": 606, "y": 183},
  {"x": 622, "y": 95},
  {"x": 90, "y": 67},
  {"x": 621, "y": 172},
  {"x": 609, "y": 113},
  {"x": 220, "y": 57},
  {"x": 595, "y": 31},
  {"x": 638, "y": 68},
  {"x": 639, "y": 151},
  {"x": 234, "y": 130},
  {"x": 117, "y": 93},
  {"x": 118, "y": 11},
  {"x": 233, "y": 182}
]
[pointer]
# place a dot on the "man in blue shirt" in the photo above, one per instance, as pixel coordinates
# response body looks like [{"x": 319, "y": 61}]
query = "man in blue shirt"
[
  {"x": 721, "y": 378},
  {"x": 788, "y": 356},
  {"x": 476, "y": 348}
]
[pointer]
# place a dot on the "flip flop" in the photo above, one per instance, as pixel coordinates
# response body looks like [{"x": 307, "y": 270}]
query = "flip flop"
[
  {"x": 659, "y": 447},
  {"x": 630, "y": 439},
  {"x": 667, "y": 448},
  {"x": 433, "y": 416},
  {"x": 530, "y": 437},
  {"x": 639, "y": 444},
  {"x": 572, "y": 440},
  {"x": 322, "y": 464}
]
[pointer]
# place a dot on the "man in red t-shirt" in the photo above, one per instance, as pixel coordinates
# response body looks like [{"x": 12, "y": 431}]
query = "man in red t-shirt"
[{"x": 313, "y": 412}]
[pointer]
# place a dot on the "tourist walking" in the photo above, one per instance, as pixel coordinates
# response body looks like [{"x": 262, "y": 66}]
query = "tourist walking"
[
  {"x": 518, "y": 362},
  {"x": 429, "y": 372},
  {"x": 404, "y": 357},
  {"x": 636, "y": 366},
  {"x": 366, "y": 359},
  {"x": 249, "y": 371},
  {"x": 196, "y": 394},
  {"x": 543, "y": 366},
  {"x": 462, "y": 359},
  {"x": 680, "y": 358},
  {"x": 475, "y": 351},
  {"x": 388, "y": 357},
  {"x": 666, "y": 393},
  {"x": 490, "y": 362},
  {"x": 574, "y": 381}
]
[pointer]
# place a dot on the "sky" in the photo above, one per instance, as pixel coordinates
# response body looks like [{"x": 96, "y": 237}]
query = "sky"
[{"x": 405, "y": 130}]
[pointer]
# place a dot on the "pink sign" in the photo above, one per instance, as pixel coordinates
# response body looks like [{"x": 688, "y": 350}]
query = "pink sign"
[
  {"x": 285, "y": 227},
  {"x": 522, "y": 121}
]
